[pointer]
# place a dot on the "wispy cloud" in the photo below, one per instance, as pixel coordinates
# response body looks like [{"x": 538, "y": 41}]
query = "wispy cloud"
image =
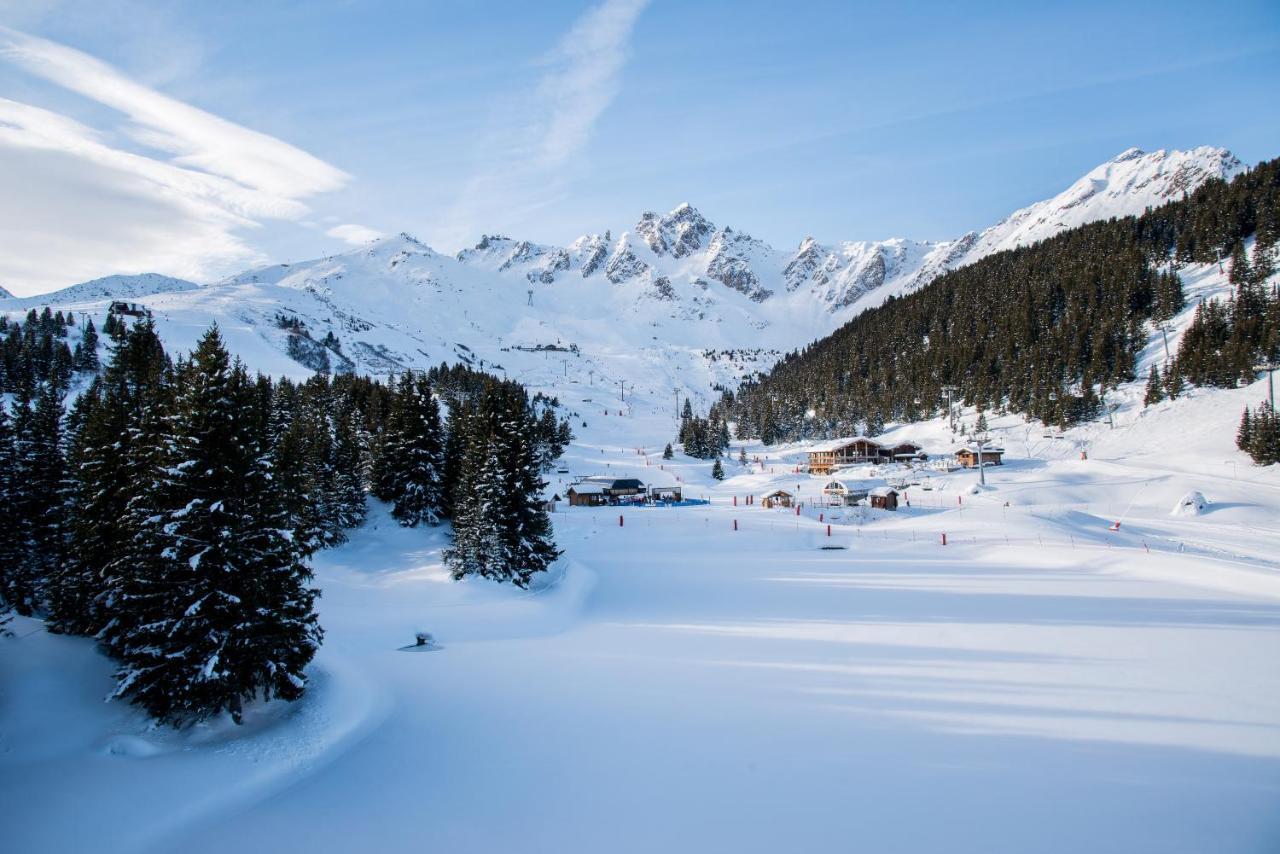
[
  {"x": 525, "y": 165},
  {"x": 198, "y": 139},
  {"x": 172, "y": 185},
  {"x": 356, "y": 235}
]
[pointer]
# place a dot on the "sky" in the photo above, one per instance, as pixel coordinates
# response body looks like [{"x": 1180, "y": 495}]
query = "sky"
[{"x": 199, "y": 139}]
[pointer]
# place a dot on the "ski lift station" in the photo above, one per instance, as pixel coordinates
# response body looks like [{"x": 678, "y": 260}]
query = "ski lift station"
[{"x": 838, "y": 494}]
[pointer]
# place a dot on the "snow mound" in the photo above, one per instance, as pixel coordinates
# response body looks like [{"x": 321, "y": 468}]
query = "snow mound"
[{"x": 1191, "y": 504}]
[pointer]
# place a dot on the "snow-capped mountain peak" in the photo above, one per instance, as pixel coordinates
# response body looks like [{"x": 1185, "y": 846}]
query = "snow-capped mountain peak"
[
  {"x": 660, "y": 304},
  {"x": 1126, "y": 184}
]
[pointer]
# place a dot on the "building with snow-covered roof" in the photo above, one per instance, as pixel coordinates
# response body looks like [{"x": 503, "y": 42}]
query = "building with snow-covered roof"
[
  {"x": 778, "y": 498},
  {"x": 839, "y": 493},
  {"x": 825, "y": 456},
  {"x": 599, "y": 490},
  {"x": 967, "y": 456},
  {"x": 884, "y": 498}
]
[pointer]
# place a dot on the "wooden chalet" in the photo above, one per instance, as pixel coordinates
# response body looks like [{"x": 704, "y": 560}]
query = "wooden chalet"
[
  {"x": 132, "y": 309},
  {"x": 601, "y": 491},
  {"x": 826, "y": 456},
  {"x": 778, "y": 498},
  {"x": 587, "y": 495},
  {"x": 884, "y": 498},
  {"x": 967, "y": 457}
]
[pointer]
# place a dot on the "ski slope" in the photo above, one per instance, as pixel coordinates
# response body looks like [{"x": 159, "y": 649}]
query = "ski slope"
[{"x": 1042, "y": 683}]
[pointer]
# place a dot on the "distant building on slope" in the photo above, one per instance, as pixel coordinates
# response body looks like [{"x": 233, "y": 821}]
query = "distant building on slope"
[
  {"x": 598, "y": 491},
  {"x": 967, "y": 456},
  {"x": 826, "y": 456}
]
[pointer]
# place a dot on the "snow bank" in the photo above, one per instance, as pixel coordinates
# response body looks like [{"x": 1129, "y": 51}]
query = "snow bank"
[{"x": 1191, "y": 504}]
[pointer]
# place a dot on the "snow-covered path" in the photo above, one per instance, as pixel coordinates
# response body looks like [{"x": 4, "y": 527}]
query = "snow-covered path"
[{"x": 691, "y": 689}]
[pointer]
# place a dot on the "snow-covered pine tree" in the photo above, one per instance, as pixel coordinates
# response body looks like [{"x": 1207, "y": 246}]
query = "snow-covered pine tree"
[
  {"x": 501, "y": 529},
  {"x": 110, "y": 456},
  {"x": 414, "y": 454},
  {"x": 477, "y": 512},
  {"x": 212, "y": 606},
  {"x": 529, "y": 547},
  {"x": 717, "y": 470},
  {"x": 40, "y": 502},
  {"x": 667, "y": 453},
  {"x": 348, "y": 500},
  {"x": 293, "y": 476},
  {"x": 85, "y": 357}
]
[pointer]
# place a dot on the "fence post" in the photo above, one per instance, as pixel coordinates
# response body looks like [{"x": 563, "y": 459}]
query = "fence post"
[
  {"x": 944, "y": 539},
  {"x": 619, "y": 520},
  {"x": 828, "y": 530},
  {"x": 735, "y": 524}
]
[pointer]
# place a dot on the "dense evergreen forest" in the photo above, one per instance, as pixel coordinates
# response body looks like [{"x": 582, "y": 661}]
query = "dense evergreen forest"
[
  {"x": 1044, "y": 330},
  {"x": 169, "y": 511}
]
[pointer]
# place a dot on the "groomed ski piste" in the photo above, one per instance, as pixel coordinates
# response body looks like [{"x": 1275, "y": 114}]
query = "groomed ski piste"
[{"x": 723, "y": 677}]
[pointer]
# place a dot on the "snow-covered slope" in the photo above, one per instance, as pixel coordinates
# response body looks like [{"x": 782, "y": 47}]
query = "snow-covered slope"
[
  {"x": 760, "y": 680},
  {"x": 1125, "y": 185},
  {"x": 678, "y": 303}
]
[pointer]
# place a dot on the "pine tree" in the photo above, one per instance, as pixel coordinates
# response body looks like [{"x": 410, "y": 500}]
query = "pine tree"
[
  {"x": 1173, "y": 383},
  {"x": 667, "y": 453},
  {"x": 348, "y": 469},
  {"x": 40, "y": 498},
  {"x": 11, "y": 552},
  {"x": 1155, "y": 388},
  {"x": 211, "y": 607},
  {"x": 1244, "y": 435},
  {"x": 742, "y": 455},
  {"x": 86, "y": 354},
  {"x": 981, "y": 425},
  {"x": 413, "y": 455},
  {"x": 110, "y": 457},
  {"x": 501, "y": 529},
  {"x": 717, "y": 470}
]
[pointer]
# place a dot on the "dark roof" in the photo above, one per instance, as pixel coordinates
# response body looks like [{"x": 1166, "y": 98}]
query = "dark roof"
[{"x": 627, "y": 483}]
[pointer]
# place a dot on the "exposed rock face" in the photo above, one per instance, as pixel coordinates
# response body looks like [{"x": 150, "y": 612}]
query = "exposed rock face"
[
  {"x": 680, "y": 233},
  {"x": 728, "y": 264},
  {"x": 623, "y": 265}
]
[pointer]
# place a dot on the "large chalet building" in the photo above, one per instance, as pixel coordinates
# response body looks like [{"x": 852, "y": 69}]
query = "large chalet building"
[{"x": 826, "y": 456}]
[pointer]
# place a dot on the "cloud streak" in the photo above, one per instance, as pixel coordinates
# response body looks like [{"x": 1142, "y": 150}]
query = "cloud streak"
[
  {"x": 197, "y": 139},
  {"x": 170, "y": 189},
  {"x": 525, "y": 166}
]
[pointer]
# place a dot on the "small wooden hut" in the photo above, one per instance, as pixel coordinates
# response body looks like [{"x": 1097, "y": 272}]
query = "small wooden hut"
[
  {"x": 884, "y": 498},
  {"x": 778, "y": 498}
]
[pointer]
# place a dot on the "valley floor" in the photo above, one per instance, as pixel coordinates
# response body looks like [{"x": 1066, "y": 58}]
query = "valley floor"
[{"x": 1040, "y": 684}]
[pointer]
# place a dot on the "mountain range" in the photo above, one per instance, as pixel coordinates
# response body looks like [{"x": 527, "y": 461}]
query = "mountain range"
[{"x": 676, "y": 304}]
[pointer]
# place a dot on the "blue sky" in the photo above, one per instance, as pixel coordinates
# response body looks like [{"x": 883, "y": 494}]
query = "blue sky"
[{"x": 197, "y": 139}]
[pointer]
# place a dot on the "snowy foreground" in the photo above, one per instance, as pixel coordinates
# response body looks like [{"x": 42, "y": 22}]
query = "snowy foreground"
[{"x": 1039, "y": 684}]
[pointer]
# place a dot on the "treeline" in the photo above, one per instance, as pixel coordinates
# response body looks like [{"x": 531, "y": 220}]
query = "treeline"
[
  {"x": 1259, "y": 434},
  {"x": 38, "y": 351},
  {"x": 1043, "y": 330},
  {"x": 170, "y": 512}
]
